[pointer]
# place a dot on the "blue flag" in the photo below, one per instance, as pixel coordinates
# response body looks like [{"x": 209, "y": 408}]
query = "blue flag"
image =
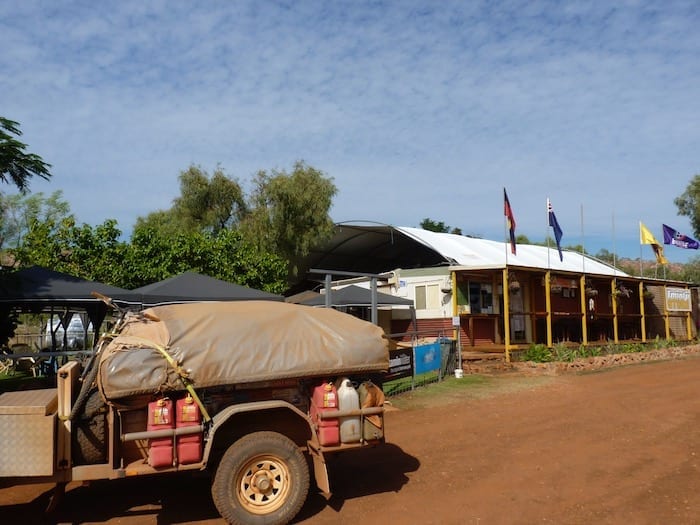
[
  {"x": 676, "y": 238},
  {"x": 555, "y": 226}
]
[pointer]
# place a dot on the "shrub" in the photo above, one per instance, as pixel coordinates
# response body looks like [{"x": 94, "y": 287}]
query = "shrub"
[{"x": 538, "y": 353}]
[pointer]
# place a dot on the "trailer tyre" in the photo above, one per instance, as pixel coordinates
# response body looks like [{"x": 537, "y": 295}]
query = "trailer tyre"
[
  {"x": 90, "y": 447},
  {"x": 262, "y": 478}
]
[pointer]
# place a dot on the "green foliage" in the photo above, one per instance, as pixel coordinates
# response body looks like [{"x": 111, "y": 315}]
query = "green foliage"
[
  {"x": 16, "y": 165},
  {"x": 19, "y": 211},
  {"x": 629, "y": 348},
  {"x": 593, "y": 351},
  {"x": 688, "y": 203},
  {"x": 205, "y": 204},
  {"x": 286, "y": 213},
  {"x": 568, "y": 353},
  {"x": 691, "y": 271},
  {"x": 83, "y": 251},
  {"x": 289, "y": 211},
  {"x": 659, "y": 343},
  {"x": 98, "y": 254},
  {"x": 151, "y": 257},
  {"x": 538, "y": 353},
  {"x": 440, "y": 227},
  {"x": 606, "y": 256}
]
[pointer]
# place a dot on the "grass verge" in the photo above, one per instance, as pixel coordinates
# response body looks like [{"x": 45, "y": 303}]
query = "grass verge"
[{"x": 453, "y": 390}]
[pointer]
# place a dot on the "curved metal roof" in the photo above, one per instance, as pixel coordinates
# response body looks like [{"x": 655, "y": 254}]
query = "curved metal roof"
[{"x": 377, "y": 249}]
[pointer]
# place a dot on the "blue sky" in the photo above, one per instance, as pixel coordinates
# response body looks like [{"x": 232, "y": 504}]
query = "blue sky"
[{"x": 415, "y": 109}]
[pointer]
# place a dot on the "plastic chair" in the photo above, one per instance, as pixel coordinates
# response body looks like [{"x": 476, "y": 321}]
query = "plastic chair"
[{"x": 6, "y": 366}]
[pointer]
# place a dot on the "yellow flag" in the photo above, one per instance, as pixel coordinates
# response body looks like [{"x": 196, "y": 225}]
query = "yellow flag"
[{"x": 646, "y": 237}]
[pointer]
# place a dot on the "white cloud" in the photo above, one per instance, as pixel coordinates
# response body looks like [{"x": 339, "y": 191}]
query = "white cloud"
[{"x": 416, "y": 110}]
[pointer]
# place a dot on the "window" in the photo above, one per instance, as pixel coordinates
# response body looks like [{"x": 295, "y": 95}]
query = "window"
[
  {"x": 480, "y": 297},
  {"x": 427, "y": 297}
]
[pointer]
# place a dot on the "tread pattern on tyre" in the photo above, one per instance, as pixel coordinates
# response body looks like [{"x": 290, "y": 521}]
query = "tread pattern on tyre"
[
  {"x": 90, "y": 445},
  {"x": 237, "y": 455}
]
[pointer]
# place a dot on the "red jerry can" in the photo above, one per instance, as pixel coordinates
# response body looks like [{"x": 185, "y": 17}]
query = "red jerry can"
[
  {"x": 189, "y": 448},
  {"x": 160, "y": 416},
  {"x": 323, "y": 399}
]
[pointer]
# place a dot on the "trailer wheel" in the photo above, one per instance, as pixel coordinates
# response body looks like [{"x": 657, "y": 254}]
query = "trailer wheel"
[
  {"x": 90, "y": 447},
  {"x": 262, "y": 478}
]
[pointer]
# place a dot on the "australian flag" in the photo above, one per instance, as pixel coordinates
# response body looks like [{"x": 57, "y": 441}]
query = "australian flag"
[
  {"x": 676, "y": 238},
  {"x": 554, "y": 223}
]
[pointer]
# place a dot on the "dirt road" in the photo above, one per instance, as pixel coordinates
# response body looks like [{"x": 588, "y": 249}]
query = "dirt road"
[{"x": 620, "y": 446}]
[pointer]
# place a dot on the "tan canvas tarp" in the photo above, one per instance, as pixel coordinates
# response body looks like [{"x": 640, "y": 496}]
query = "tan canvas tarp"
[{"x": 228, "y": 343}]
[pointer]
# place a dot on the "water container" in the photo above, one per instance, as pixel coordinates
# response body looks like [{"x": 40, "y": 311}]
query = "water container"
[
  {"x": 160, "y": 416},
  {"x": 371, "y": 396},
  {"x": 325, "y": 398},
  {"x": 348, "y": 399},
  {"x": 189, "y": 448}
]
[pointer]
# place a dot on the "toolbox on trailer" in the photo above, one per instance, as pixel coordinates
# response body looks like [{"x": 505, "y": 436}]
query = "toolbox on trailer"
[{"x": 27, "y": 432}]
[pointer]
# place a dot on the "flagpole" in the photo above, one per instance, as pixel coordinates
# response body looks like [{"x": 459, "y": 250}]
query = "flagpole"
[
  {"x": 505, "y": 235},
  {"x": 546, "y": 235},
  {"x": 583, "y": 245},
  {"x": 614, "y": 246},
  {"x": 641, "y": 266}
]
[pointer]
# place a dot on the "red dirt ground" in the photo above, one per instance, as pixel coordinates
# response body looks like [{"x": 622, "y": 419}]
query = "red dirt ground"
[{"x": 616, "y": 446}]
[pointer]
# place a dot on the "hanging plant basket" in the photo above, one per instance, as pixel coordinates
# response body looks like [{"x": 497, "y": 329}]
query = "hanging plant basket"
[{"x": 591, "y": 292}]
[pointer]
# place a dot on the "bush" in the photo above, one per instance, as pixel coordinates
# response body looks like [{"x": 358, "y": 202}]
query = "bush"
[{"x": 538, "y": 353}]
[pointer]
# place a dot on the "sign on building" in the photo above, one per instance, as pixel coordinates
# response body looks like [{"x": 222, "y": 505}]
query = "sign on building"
[{"x": 678, "y": 300}]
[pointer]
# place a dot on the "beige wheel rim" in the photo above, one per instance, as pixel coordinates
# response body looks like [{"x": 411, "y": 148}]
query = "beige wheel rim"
[{"x": 263, "y": 484}]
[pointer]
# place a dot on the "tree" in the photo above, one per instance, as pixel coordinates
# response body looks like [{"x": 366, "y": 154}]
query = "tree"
[
  {"x": 97, "y": 254},
  {"x": 439, "y": 227},
  {"x": 691, "y": 271},
  {"x": 224, "y": 255},
  {"x": 90, "y": 253},
  {"x": 17, "y": 166},
  {"x": 688, "y": 203},
  {"x": 19, "y": 211},
  {"x": 289, "y": 212},
  {"x": 606, "y": 256},
  {"x": 205, "y": 204}
]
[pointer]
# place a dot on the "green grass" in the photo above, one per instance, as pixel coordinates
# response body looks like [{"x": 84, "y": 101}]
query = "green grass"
[
  {"x": 471, "y": 386},
  {"x": 404, "y": 384},
  {"x": 24, "y": 381}
]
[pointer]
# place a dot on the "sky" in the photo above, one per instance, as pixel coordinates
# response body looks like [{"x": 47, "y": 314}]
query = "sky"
[{"x": 415, "y": 109}]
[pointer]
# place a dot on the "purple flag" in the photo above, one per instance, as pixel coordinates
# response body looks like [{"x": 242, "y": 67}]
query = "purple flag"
[{"x": 676, "y": 238}]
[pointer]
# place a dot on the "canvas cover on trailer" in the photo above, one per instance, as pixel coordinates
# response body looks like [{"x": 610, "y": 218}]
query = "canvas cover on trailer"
[{"x": 236, "y": 343}]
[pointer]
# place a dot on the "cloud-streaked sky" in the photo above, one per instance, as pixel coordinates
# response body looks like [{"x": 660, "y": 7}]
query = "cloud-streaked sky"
[{"x": 415, "y": 109}]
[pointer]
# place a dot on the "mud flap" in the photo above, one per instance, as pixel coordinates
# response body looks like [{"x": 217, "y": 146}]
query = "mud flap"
[{"x": 320, "y": 470}]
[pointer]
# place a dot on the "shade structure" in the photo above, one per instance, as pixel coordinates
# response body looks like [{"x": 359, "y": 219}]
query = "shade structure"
[
  {"x": 38, "y": 289},
  {"x": 190, "y": 287},
  {"x": 357, "y": 296},
  {"x": 37, "y": 285}
]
